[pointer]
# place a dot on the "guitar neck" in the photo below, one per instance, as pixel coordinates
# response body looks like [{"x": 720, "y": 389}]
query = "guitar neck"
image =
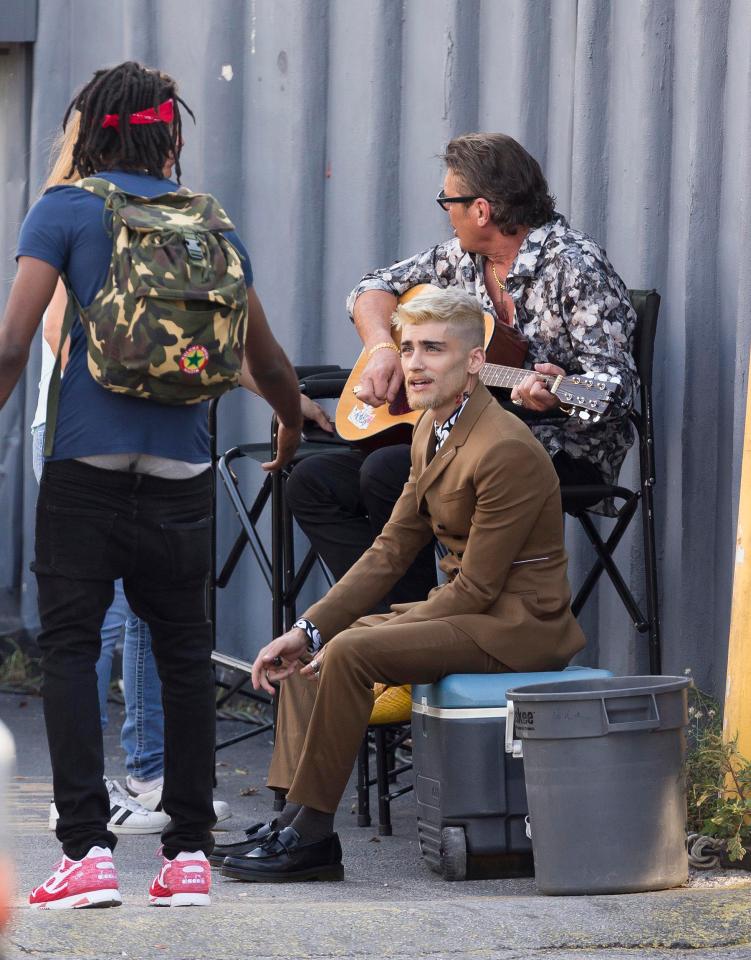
[{"x": 494, "y": 375}]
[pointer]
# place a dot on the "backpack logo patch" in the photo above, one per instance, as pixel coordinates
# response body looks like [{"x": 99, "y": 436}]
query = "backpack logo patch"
[{"x": 193, "y": 359}]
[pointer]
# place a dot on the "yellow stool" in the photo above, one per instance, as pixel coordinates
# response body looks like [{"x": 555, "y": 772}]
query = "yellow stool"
[
  {"x": 391, "y": 704},
  {"x": 389, "y": 728}
]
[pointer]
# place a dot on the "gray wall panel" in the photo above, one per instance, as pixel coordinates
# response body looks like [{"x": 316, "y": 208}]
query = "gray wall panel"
[
  {"x": 319, "y": 125},
  {"x": 15, "y": 95}
]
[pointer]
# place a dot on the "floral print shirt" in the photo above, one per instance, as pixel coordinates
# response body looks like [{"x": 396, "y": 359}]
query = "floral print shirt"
[{"x": 573, "y": 307}]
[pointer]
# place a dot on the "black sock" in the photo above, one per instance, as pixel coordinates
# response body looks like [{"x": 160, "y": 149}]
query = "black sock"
[
  {"x": 285, "y": 818},
  {"x": 313, "y": 824}
]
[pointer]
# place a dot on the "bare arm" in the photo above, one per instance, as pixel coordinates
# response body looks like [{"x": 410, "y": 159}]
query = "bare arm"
[
  {"x": 274, "y": 378},
  {"x": 382, "y": 375},
  {"x": 31, "y": 292}
]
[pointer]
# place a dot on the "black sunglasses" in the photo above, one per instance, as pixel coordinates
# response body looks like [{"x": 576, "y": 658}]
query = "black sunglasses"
[{"x": 442, "y": 200}]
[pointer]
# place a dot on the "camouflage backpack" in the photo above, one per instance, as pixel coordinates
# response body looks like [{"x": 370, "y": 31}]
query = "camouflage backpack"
[{"x": 169, "y": 323}]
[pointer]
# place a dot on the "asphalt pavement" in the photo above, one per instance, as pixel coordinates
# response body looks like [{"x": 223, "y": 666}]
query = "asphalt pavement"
[{"x": 390, "y": 905}]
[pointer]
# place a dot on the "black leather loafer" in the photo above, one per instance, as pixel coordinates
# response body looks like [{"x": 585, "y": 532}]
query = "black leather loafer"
[
  {"x": 254, "y": 835},
  {"x": 284, "y": 857}
]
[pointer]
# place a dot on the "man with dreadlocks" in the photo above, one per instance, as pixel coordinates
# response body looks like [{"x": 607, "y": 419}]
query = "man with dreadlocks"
[{"x": 126, "y": 492}]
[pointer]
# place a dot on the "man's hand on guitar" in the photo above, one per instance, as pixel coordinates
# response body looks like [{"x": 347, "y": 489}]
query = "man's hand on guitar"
[
  {"x": 532, "y": 392},
  {"x": 381, "y": 378}
]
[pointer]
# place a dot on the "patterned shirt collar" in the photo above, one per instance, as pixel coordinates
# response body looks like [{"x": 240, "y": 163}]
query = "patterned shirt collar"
[
  {"x": 526, "y": 262},
  {"x": 443, "y": 430}
]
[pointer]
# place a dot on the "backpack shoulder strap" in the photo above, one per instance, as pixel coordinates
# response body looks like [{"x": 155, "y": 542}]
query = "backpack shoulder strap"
[{"x": 98, "y": 186}]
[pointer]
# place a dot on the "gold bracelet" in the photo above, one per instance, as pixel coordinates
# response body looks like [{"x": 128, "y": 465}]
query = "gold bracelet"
[{"x": 384, "y": 345}]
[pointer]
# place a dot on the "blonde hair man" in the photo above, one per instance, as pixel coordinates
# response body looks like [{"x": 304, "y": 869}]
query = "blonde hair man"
[
  {"x": 485, "y": 488},
  {"x": 462, "y": 313}
]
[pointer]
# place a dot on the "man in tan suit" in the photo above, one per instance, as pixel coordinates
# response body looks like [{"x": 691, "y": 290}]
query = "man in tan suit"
[{"x": 486, "y": 489}]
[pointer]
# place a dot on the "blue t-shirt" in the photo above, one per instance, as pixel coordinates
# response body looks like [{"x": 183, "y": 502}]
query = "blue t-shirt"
[{"x": 66, "y": 228}]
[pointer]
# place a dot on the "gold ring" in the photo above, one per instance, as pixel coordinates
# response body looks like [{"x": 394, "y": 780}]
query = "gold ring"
[{"x": 357, "y": 388}]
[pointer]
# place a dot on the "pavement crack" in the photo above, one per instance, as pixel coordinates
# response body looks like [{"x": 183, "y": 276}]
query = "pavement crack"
[{"x": 21, "y": 947}]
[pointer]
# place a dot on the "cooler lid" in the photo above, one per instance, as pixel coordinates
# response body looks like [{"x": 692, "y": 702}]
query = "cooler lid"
[{"x": 489, "y": 689}]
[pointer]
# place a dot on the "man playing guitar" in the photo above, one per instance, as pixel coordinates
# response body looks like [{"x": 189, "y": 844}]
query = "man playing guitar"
[{"x": 537, "y": 276}]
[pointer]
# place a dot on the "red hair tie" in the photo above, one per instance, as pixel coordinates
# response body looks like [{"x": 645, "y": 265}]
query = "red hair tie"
[{"x": 164, "y": 113}]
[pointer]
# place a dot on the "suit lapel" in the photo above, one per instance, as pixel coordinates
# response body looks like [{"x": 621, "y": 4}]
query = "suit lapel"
[{"x": 479, "y": 399}]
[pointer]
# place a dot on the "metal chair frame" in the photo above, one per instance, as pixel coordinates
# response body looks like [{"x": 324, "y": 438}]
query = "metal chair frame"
[
  {"x": 647, "y": 305},
  {"x": 274, "y": 567}
]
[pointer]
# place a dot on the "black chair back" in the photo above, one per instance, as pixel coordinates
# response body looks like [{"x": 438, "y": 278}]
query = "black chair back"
[{"x": 647, "y": 305}]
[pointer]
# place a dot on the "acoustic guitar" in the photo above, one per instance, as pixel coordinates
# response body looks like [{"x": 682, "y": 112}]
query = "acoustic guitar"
[{"x": 591, "y": 395}]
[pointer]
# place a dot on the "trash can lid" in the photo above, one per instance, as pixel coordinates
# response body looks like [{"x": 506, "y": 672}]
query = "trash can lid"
[
  {"x": 599, "y": 707},
  {"x": 594, "y": 688}
]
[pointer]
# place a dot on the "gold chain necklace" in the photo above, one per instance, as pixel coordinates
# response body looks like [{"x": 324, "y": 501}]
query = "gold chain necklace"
[{"x": 501, "y": 283}]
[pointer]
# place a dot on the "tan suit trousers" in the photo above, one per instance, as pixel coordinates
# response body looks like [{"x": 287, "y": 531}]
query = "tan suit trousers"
[{"x": 320, "y": 724}]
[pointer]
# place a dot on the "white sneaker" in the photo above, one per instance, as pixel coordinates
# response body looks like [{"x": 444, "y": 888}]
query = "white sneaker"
[
  {"x": 152, "y": 800},
  {"x": 127, "y": 816}
]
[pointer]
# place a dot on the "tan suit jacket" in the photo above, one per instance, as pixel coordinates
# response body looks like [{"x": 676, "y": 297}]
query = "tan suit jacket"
[{"x": 491, "y": 497}]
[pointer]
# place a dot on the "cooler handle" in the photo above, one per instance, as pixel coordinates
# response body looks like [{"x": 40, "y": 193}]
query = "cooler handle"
[
  {"x": 651, "y": 722},
  {"x": 512, "y": 747}
]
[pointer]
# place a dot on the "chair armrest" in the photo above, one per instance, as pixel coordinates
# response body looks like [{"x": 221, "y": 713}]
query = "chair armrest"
[
  {"x": 312, "y": 370},
  {"x": 324, "y": 387}
]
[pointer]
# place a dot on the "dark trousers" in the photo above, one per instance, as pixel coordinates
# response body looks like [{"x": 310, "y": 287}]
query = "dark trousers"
[
  {"x": 342, "y": 502},
  {"x": 94, "y": 526}
]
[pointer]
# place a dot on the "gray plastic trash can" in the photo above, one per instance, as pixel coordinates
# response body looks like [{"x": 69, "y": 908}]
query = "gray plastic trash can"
[{"x": 603, "y": 763}]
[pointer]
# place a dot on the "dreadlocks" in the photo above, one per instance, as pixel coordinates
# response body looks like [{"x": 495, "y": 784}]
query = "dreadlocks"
[{"x": 123, "y": 90}]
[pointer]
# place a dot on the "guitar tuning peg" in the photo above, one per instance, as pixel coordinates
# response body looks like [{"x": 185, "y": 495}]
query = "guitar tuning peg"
[
  {"x": 584, "y": 415},
  {"x": 596, "y": 418}
]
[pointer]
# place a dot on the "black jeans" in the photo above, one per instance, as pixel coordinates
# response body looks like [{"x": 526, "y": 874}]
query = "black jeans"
[
  {"x": 342, "y": 502},
  {"x": 94, "y": 526}
]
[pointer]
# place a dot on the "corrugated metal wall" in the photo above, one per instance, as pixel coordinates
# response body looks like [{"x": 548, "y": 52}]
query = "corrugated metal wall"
[{"x": 318, "y": 126}]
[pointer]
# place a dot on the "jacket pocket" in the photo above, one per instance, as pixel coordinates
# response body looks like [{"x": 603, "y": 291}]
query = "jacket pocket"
[{"x": 458, "y": 494}]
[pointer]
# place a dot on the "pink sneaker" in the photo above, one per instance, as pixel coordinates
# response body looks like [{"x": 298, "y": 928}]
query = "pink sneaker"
[
  {"x": 182, "y": 882},
  {"x": 91, "y": 882}
]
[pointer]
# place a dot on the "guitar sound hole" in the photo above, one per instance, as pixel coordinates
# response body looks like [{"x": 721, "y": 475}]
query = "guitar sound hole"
[{"x": 399, "y": 404}]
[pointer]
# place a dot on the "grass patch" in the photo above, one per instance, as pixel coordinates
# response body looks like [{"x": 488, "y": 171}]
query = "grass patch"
[
  {"x": 19, "y": 671},
  {"x": 718, "y": 780}
]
